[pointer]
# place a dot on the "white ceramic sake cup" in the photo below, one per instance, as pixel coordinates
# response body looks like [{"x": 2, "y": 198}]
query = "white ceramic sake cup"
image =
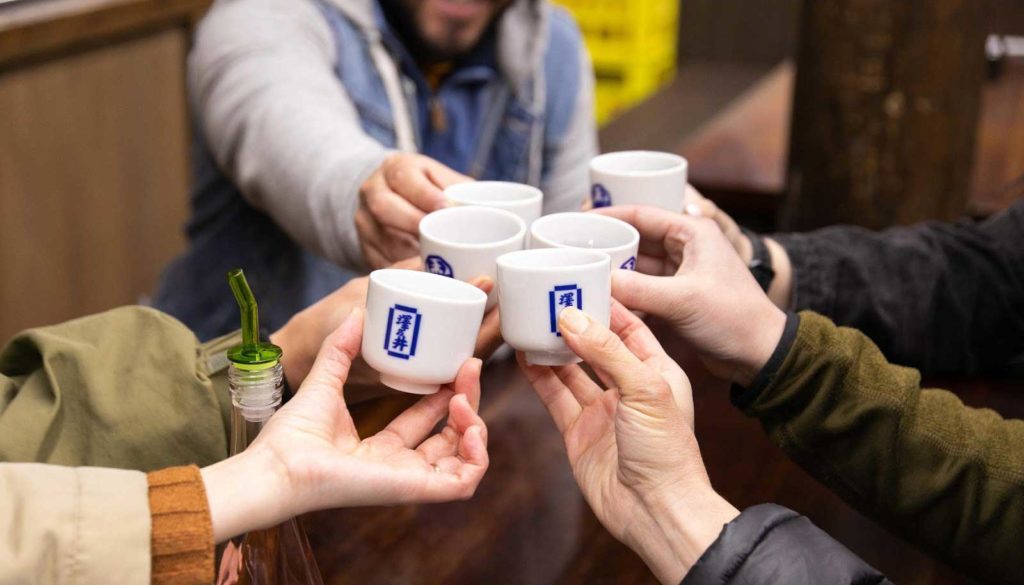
[
  {"x": 464, "y": 242},
  {"x": 533, "y": 288},
  {"x": 588, "y": 231},
  {"x": 522, "y": 200},
  {"x": 420, "y": 328},
  {"x": 639, "y": 177}
]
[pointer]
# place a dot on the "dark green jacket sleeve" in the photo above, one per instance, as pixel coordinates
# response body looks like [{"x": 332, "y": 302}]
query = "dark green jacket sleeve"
[
  {"x": 947, "y": 477},
  {"x": 130, "y": 388}
]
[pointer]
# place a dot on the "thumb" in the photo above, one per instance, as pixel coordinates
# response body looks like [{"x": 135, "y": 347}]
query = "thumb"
[
  {"x": 339, "y": 350},
  {"x": 603, "y": 350},
  {"x": 443, "y": 176},
  {"x": 643, "y": 292}
]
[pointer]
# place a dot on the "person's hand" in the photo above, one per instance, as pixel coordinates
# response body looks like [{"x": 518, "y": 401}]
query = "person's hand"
[
  {"x": 393, "y": 201},
  {"x": 694, "y": 279},
  {"x": 303, "y": 334},
  {"x": 699, "y": 205},
  {"x": 309, "y": 457},
  {"x": 660, "y": 261},
  {"x": 632, "y": 447}
]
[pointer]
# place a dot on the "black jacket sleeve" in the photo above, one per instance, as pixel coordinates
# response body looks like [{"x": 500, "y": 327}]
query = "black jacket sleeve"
[
  {"x": 769, "y": 544},
  {"x": 941, "y": 297}
]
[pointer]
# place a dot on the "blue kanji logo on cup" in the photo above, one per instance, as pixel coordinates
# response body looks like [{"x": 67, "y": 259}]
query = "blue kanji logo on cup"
[
  {"x": 600, "y": 196},
  {"x": 560, "y": 297},
  {"x": 403, "y": 331},
  {"x": 438, "y": 265},
  {"x": 629, "y": 264}
]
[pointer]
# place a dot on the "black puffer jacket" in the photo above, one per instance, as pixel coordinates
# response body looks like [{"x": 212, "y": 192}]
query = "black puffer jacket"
[{"x": 772, "y": 545}]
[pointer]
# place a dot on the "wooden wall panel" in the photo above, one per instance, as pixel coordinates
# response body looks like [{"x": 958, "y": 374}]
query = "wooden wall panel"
[{"x": 93, "y": 178}]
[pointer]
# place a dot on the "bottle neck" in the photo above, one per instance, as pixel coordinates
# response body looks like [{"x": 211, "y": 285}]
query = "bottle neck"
[{"x": 255, "y": 396}]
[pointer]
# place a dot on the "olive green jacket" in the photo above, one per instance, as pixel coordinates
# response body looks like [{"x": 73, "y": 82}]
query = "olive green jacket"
[
  {"x": 131, "y": 388},
  {"x": 945, "y": 476}
]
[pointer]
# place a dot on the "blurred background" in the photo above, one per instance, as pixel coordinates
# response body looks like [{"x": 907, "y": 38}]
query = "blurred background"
[{"x": 793, "y": 113}]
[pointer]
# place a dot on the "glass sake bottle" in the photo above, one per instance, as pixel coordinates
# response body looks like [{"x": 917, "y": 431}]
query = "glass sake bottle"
[{"x": 280, "y": 555}]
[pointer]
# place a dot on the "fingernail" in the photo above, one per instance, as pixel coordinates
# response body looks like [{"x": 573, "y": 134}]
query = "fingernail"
[
  {"x": 693, "y": 209},
  {"x": 573, "y": 320}
]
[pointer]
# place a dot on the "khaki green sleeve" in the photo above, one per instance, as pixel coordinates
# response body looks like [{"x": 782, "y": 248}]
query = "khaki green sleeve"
[
  {"x": 130, "y": 388},
  {"x": 947, "y": 477}
]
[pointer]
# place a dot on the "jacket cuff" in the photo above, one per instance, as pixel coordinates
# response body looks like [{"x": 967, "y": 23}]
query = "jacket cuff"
[
  {"x": 182, "y": 536},
  {"x": 743, "y": 397},
  {"x": 812, "y": 289},
  {"x": 737, "y": 542}
]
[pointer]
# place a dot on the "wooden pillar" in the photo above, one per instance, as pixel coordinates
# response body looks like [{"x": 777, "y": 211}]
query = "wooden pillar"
[{"x": 885, "y": 111}]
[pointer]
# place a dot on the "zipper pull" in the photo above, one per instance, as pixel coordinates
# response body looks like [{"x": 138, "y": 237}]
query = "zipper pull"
[{"x": 438, "y": 116}]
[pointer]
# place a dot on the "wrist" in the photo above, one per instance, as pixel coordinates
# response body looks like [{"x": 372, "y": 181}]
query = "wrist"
[
  {"x": 296, "y": 359},
  {"x": 246, "y": 492},
  {"x": 683, "y": 524},
  {"x": 758, "y": 344},
  {"x": 781, "y": 289}
]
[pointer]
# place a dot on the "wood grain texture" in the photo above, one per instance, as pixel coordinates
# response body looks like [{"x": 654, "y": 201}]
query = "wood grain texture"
[
  {"x": 885, "y": 111},
  {"x": 93, "y": 179},
  {"x": 529, "y": 525}
]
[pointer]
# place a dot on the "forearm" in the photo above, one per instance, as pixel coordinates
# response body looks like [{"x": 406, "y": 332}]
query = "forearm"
[
  {"x": 63, "y": 398},
  {"x": 913, "y": 289},
  {"x": 677, "y": 528},
  {"x": 769, "y": 544},
  {"x": 247, "y": 492},
  {"x": 565, "y": 179},
  {"x": 279, "y": 123},
  {"x": 945, "y": 476}
]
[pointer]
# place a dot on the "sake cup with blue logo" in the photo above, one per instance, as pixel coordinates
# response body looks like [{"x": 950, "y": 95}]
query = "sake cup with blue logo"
[
  {"x": 523, "y": 200},
  {"x": 420, "y": 328},
  {"x": 589, "y": 231},
  {"x": 464, "y": 242},
  {"x": 534, "y": 286},
  {"x": 639, "y": 177}
]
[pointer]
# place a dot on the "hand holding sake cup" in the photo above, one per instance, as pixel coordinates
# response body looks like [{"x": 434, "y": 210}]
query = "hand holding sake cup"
[
  {"x": 535, "y": 286},
  {"x": 420, "y": 328}
]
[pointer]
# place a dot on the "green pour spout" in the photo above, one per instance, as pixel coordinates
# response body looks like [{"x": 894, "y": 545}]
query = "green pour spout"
[{"x": 251, "y": 354}]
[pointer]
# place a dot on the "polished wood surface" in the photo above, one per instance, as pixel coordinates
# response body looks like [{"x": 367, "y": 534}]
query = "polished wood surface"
[
  {"x": 93, "y": 179},
  {"x": 885, "y": 109},
  {"x": 39, "y": 29},
  {"x": 697, "y": 94},
  {"x": 528, "y": 524},
  {"x": 739, "y": 156}
]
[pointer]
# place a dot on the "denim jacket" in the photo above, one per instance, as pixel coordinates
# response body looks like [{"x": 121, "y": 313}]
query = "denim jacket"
[{"x": 297, "y": 102}]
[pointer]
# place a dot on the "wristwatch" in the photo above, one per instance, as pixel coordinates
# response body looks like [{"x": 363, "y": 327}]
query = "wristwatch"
[{"x": 760, "y": 260}]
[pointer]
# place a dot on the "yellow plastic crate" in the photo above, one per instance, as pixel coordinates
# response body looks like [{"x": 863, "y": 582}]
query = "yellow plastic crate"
[{"x": 632, "y": 44}]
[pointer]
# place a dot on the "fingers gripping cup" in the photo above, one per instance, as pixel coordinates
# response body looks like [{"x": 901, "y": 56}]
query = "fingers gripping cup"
[
  {"x": 534, "y": 286},
  {"x": 522, "y": 200},
  {"x": 464, "y": 242},
  {"x": 639, "y": 177},
  {"x": 420, "y": 328},
  {"x": 590, "y": 231}
]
